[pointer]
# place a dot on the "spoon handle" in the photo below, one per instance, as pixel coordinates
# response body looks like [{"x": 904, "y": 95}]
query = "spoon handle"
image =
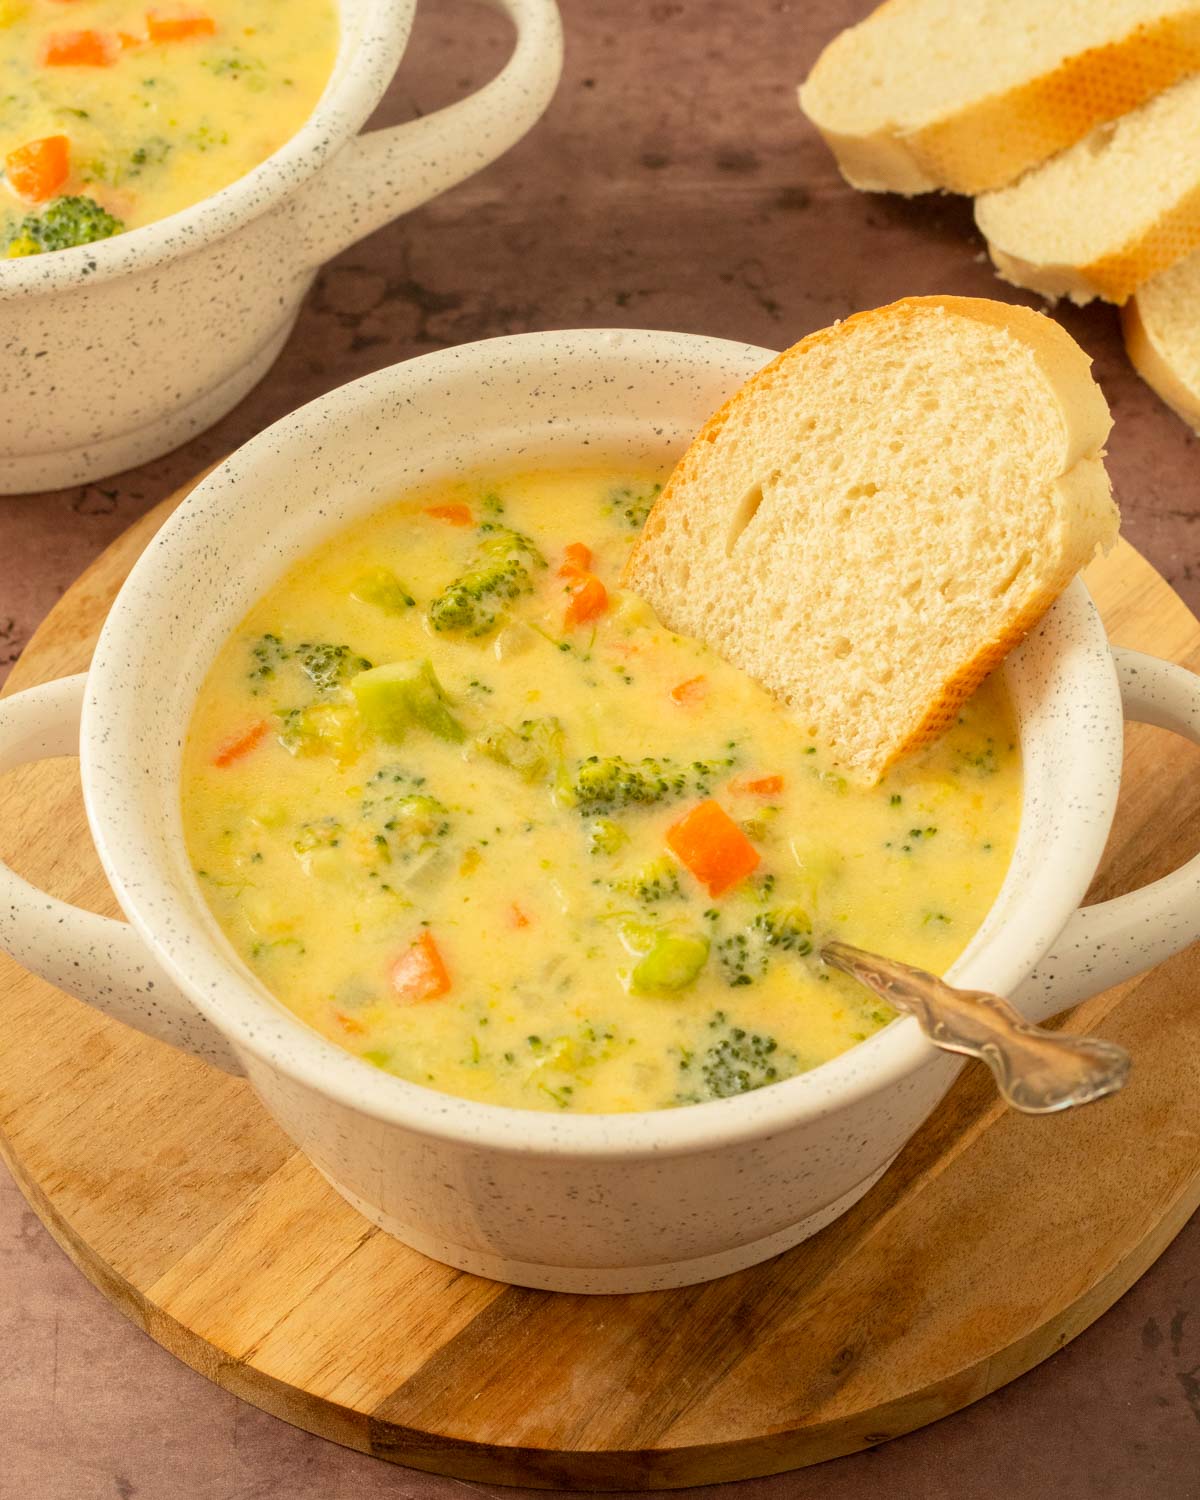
[{"x": 1037, "y": 1071}]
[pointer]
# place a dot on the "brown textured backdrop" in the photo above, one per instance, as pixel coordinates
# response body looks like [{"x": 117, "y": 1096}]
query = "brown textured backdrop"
[{"x": 672, "y": 185}]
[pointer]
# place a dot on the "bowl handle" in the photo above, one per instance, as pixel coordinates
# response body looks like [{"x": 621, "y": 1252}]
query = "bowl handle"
[
  {"x": 1102, "y": 945},
  {"x": 385, "y": 173},
  {"x": 94, "y": 958}
]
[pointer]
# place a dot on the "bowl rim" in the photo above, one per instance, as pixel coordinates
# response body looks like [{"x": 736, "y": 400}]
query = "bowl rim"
[
  {"x": 884, "y": 1061},
  {"x": 380, "y": 28}
]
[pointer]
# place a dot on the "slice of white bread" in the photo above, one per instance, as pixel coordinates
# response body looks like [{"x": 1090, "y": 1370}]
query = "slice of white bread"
[
  {"x": 1108, "y": 214},
  {"x": 968, "y": 94},
  {"x": 877, "y": 517},
  {"x": 1162, "y": 336}
]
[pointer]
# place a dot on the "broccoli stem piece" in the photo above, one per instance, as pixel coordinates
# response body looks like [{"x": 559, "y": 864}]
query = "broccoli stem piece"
[
  {"x": 400, "y": 696},
  {"x": 531, "y": 750},
  {"x": 672, "y": 963},
  {"x": 381, "y": 587}
]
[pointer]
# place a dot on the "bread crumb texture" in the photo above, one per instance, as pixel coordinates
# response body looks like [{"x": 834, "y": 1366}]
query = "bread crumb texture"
[
  {"x": 1162, "y": 335},
  {"x": 1105, "y": 216},
  {"x": 877, "y": 517},
  {"x": 968, "y": 94}
]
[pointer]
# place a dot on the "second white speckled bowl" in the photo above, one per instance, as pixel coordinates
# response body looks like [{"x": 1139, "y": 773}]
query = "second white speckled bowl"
[
  {"x": 590, "y": 1203},
  {"x": 113, "y": 353}
]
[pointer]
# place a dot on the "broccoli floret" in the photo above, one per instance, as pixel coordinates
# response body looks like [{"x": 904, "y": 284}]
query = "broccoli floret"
[
  {"x": 61, "y": 225},
  {"x": 267, "y": 655},
  {"x": 745, "y": 955},
  {"x": 414, "y": 824},
  {"x": 533, "y": 749},
  {"x": 501, "y": 570},
  {"x": 787, "y": 927},
  {"x": 633, "y": 503},
  {"x": 322, "y": 729},
  {"x": 735, "y": 1062},
  {"x": 605, "y": 837},
  {"x": 653, "y": 884},
  {"x": 609, "y": 784},
  {"x": 402, "y": 818},
  {"x": 326, "y": 666}
]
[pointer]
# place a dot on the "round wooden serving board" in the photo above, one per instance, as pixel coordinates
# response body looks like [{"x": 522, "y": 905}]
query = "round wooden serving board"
[{"x": 992, "y": 1241}]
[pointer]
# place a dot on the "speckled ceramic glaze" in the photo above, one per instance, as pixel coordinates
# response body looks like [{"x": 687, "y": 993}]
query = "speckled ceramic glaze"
[
  {"x": 113, "y": 353},
  {"x": 588, "y": 1203}
]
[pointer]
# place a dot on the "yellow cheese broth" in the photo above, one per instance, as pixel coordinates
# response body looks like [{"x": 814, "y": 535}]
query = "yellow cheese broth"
[
  {"x": 167, "y": 123},
  {"x": 540, "y": 909}
]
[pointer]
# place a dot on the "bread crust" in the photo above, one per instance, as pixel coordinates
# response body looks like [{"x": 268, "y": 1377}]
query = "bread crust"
[
  {"x": 991, "y": 142},
  {"x": 1086, "y": 424},
  {"x": 1114, "y": 277},
  {"x": 1153, "y": 365}
]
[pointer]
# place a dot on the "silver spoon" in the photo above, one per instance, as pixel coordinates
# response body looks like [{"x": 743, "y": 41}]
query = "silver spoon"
[{"x": 1037, "y": 1071}]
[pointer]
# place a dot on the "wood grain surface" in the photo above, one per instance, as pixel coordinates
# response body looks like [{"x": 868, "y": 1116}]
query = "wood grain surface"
[{"x": 993, "y": 1240}]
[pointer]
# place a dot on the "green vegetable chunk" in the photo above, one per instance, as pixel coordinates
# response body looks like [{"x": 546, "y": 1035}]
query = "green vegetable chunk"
[
  {"x": 736, "y": 1062},
  {"x": 609, "y": 784},
  {"x": 655, "y": 882},
  {"x": 605, "y": 837},
  {"x": 325, "y": 665},
  {"x": 531, "y": 750},
  {"x": 321, "y": 729},
  {"x": 400, "y": 696},
  {"x": 745, "y": 955},
  {"x": 63, "y": 224},
  {"x": 502, "y": 570},
  {"x": 671, "y": 964},
  {"x": 381, "y": 587}
]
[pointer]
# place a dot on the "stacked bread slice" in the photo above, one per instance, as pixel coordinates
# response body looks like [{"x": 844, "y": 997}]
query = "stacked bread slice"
[
  {"x": 1076, "y": 125},
  {"x": 1162, "y": 335},
  {"x": 1107, "y": 214}
]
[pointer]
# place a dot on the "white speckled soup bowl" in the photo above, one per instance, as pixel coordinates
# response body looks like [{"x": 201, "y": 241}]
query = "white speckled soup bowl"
[
  {"x": 116, "y": 352},
  {"x": 583, "y": 1203}
]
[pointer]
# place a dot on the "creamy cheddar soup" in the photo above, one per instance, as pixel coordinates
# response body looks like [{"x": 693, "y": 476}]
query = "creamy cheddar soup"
[
  {"x": 471, "y": 812},
  {"x": 115, "y": 113}
]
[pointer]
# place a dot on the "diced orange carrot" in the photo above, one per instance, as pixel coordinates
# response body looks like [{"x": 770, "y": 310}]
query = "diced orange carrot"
[
  {"x": 709, "y": 843},
  {"x": 128, "y": 40},
  {"x": 80, "y": 49},
  {"x": 349, "y": 1024},
  {"x": 240, "y": 744},
  {"x": 589, "y": 600},
  {"x": 519, "y": 919},
  {"x": 457, "y": 515},
  {"x": 420, "y": 972},
  {"x": 577, "y": 559},
  {"x": 694, "y": 690},
  {"x": 758, "y": 786},
  {"x": 38, "y": 169},
  {"x": 174, "y": 28}
]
